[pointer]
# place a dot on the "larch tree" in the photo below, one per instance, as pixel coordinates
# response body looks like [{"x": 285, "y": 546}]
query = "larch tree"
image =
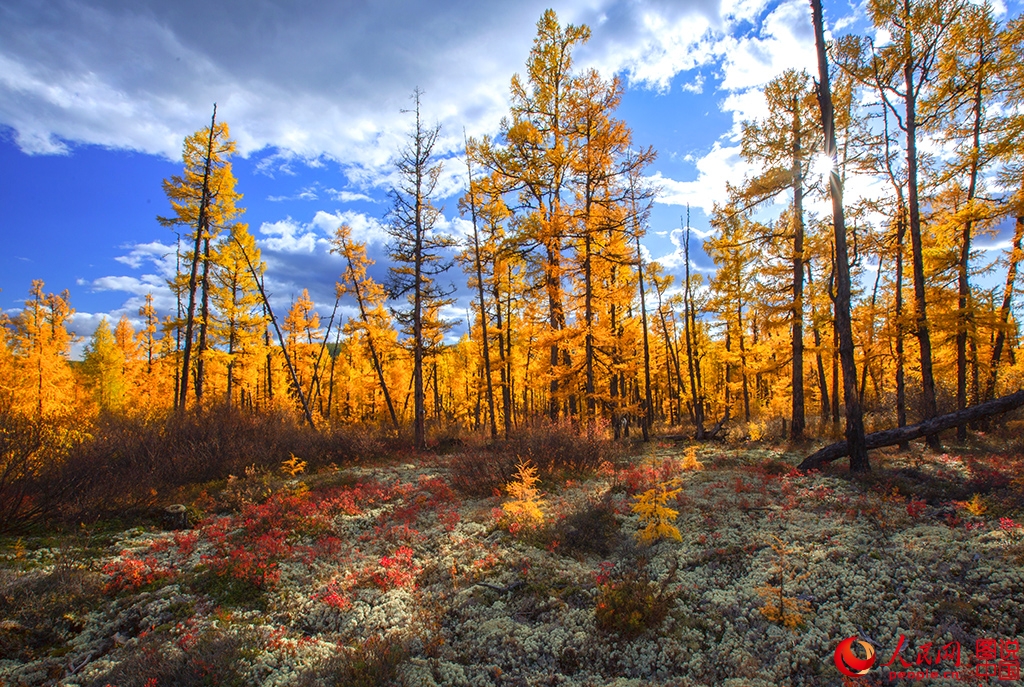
[
  {"x": 374, "y": 323},
  {"x": 904, "y": 71},
  {"x": 473, "y": 260},
  {"x": 418, "y": 251},
  {"x": 203, "y": 199},
  {"x": 533, "y": 156},
  {"x": 1009, "y": 148},
  {"x": 854, "y": 417},
  {"x": 43, "y": 345},
  {"x": 732, "y": 249},
  {"x": 303, "y": 335},
  {"x": 103, "y": 364},
  {"x": 784, "y": 143},
  {"x": 240, "y": 323},
  {"x": 968, "y": 78}
]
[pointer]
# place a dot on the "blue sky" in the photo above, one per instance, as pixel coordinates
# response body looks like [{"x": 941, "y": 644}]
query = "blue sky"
[{"x": 96, "y": 98}]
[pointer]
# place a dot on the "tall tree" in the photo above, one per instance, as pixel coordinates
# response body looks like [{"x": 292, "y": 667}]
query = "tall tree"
[
  {"x": 533, "y": 156},
  {"x": 418, "y": 251},
  {"x": 203, "y": 199},
  {"x": 784, "y": 143},
  {"x": 968, "y": 76},
  {"x": 43, "y": 345},
  {"x": 904, "y": 72},
  {"x": 476, "y": 264},
  {"x": 240, "y": 323},
  {"x": 370, "y": 296},
  {"x": 854, "y": 418},
  {"x": 103, "y": 364}
]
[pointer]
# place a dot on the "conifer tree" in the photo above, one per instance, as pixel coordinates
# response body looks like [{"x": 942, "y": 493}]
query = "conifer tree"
[
  {"x": 42, "y": 345},
  {"x": 203, "y": 199},
  {"x": 240, "y": 322},
  {"x": 104, "y": 366},
  {"x": 419, "y": 253}
]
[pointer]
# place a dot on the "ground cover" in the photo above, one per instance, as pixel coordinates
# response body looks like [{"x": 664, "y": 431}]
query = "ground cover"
[{"x": 678, "y": 566}]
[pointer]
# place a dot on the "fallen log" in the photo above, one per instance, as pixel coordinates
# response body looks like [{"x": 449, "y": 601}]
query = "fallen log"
[{"x": 890, "y": 437}]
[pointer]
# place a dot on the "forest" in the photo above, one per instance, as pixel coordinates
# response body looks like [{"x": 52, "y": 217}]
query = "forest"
[{"x": 610, "y": 476}]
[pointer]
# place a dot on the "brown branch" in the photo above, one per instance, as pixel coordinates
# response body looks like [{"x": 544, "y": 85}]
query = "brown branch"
[{"x": 890, "y": 437}]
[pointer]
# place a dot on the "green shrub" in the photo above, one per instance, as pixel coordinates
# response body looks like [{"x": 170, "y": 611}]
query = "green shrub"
[
  {"x": 373, "y": 663},
  {"x": 631, "y": 604}
]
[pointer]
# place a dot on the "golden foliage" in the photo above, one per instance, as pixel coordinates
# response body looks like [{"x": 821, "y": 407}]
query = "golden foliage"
[
  {"x": 293, "y": 466},
  {"x": 526, "y": 506},
  {"x": 976, "y": 506},
  {"x": 779, "y": 607},
  {"x": 690, "y": 461},
  {"x": 655, "y": 516}
]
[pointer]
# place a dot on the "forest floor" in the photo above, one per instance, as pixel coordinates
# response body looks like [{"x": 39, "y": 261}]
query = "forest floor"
[{"x": 385, "y": 574}]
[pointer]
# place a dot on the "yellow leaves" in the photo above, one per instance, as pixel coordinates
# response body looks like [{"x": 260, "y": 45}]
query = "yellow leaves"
[
  {"x": 526, "y": 506},
  {"x": 293, "y": 466},
  {"x": 690, "y": 461},
  {"x": 976, "y": 506},
  {"x": 655, "y": 516},
  {"x": 782, "y": 610}
]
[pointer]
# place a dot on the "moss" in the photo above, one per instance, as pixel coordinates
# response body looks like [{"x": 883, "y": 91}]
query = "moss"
[{"x": 229, "y": 591}]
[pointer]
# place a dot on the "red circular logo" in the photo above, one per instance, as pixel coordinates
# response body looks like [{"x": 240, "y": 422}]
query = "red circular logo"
[{"x": 848, "y": 663}]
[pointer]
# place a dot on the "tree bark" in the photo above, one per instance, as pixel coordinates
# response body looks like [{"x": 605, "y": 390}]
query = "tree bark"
[
  {"x": 930, "y": 409},
  {"x": 202, "y": 228},
  {"x": 854, "y": 417}
]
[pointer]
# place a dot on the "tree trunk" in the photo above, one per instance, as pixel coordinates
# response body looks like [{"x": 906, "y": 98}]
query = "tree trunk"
[
  {"x": 202, "y": 226},
  {"x": 798, "y": 421},
  {"x": 854, "y": 419},
  {"x": 480, "y": 294},
  {"x": 964, "y": 302},
  {"x": 890, "y": 437},
  {"x": 917, "y": 252},
  {"x": 1004, "y": 309},
  {"x": 697, "y": 400},
  {"x": 648, "y": 405}
]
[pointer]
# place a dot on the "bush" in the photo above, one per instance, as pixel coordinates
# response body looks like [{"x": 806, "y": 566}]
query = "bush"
[
  {"x": 33, "y": 467},
  {"x": 194, "y": 660},
  {"x": 42, "y": 611},
  {"x": 631, "y": 604},
  {"x": 592, "y": 530},
  {"x": 558, "y": 449},
  {"x": 373, "y": 663},
  {"x": 130, "y": 465}
]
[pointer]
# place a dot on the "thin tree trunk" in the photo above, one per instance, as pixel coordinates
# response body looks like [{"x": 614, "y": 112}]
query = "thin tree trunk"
[
  {"x": 798, "y": 421},
  {"x": 698, "y": 402},
  {"x": 648, "y": 404},
  {"x": 901, "y": 359},
  {"x": 1004, "y": 309},
  {"x": 857, "y": 449},
  {"x": 963, "y": 272},
  {"x": 202, "y": 227},
  {"x": 930, "y": 409},
  {"x": 284, "y": 349},
  {"x": 204, "y": 322},
  {"x": 480, "y": 294}
]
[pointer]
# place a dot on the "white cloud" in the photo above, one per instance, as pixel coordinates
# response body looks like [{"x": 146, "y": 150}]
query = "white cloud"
[
  {"x": 162, "y": 256},
  {"x": 696, "y": 86},
  {"x": 722, "y": 164},
  {"x": 288, "y": 236},
  {"x": 303, "y": 84},
  {"x": 348, "y": 196},
  {"x": 677, "y": 258}
]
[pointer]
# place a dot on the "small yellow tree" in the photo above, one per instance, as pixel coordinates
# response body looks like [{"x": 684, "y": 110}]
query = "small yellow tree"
[
  {"x": 655, "y": 515},
  {"x": 526, "y": 506}
]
